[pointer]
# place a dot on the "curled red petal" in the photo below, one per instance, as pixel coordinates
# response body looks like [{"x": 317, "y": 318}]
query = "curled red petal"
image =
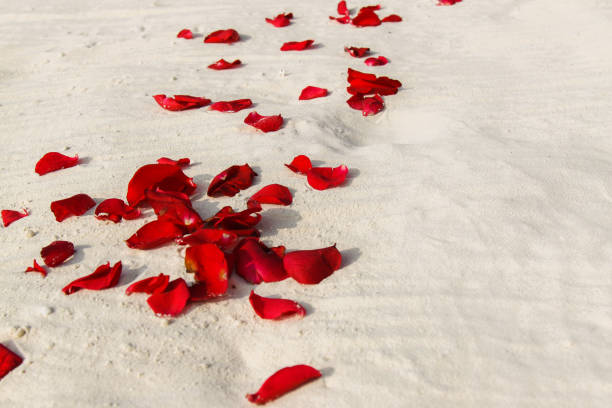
[
  {"x": 376, "y": 61},
  {"x": 356, "y": 51},
  {"x": 300, "y": 164},
  {"x": 8, "y": 361},
  {"x": 185, "y": 33},
  {"x": 114, "y": 209},
  {"x": 269, "y": 308},
  {"x": 209, "y": 265},
  {"x": 366, "y": 18},
  {"x": 103, "y": 277},
  {"x": 393, "y": 18},
  {"x": 180, "y": 162},
  {"x": 367, "y": 105},
  {"x": 363, "y": 83},
  {"x": 174, "y": 207},
  {"x": 10, "y": 216},
  {"x": 311, "y": 92},
  {"x": 283, "y": 381},
  {"x": 448, "y": 2},
  {"x": 154, "y": 234},
  {"x": 75, "y": 205},
  {"x": 342, "y": 9},
  {"x": 223, "y": 64},
  {"x": 312, "y": 266},
  {"x": 37, "y": 268},
  {"x": 231, "y": 180},
  {"x": 296, "y": 45},
  {"x": 231, "y": 106},
  {"x": 227, "y": 218},
  {"x": 151, "y": 176},
  {"x": 54, "y": 161},
  {"x": 224, "y": 239},
  {"x": 180, "y": 102},
  {"x": 272, "y": 194},
  {"x": 322, "y": 178},
  {"x": 172, "y": 300},
  {"x": 57, "y": 252},
  {"x": 264, "y": 123},
  {"x": 223, "y": 36},
  {"x": 256, "y": 263},
  {"x": 154, "y": 284},
  {"x": 281, "y": 20}
]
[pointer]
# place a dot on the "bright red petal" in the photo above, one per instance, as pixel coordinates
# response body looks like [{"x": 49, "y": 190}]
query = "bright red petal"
[
  {"x": 357, "y": 52},
  {"x": 312, "y": 266},
  {"x": 231, "y": 106},
  {"x": 37, "y": 268},
  {"x": 151, "y": 176},
  {"x": 393, "y": 18},
  {"x": 180, "y": 162},
  {"x": 56, "y": 253},
  {"x": 376, "y": 61},
  {"x": 209, "y": 264},
  {"x": 174, "y": 207},
  {"x": 10, "y": 216},
  {"x": 296, "y": 45},
  {"x": 223, "y": 36},
  {"x": 155, "y": 284},
  {"x": 369, "y": 8},
  {"x": 228, "y": 219},
  {"x": 272, "y": 194},
  {"x": 367, "y": 105},
  {"x": 281, "y": 20},
  {"x": 222, "y": 238},
  {"x": 269, "y": 308},
  {"x": 103, "y": 277},
  {"x": 154, "y": 234},
  {"x": 53, "y": 161},
  {"x": 115, "y": 209},
  {"x": 172, "y": 301},
  {"x": 180, "y": 102},
  {"x": 362, "y": 83},
  {"x": 264, "y": 123},
  {"x": 311, "y": 92},
  {"x": 366, "y": 18},
  {"x": 448, "y": 2},
  {"x": 322, "y": 178},
  {"x": 75, "y": 205},
  {"x": 283, "y": 381},
  {"x": 8, "y": 361},
  {"x": 231, "y": 180},
  {"x": 223, "y": 64},
  {"x": 256, "y": 263},
  {"x": 185, "y": 33},
  {"x": 300, "y": 164},
  {"x": 342, "y": 9}
]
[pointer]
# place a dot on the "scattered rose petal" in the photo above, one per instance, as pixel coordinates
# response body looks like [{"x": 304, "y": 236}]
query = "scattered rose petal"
[
  {"x": 57, "y": 252},
  {"x": 312, "y": 266},
  {"x": 76, "y": 205},
  {"x": 272, "y": 194},
  {"x": 296, "y": 45},
  {"x": 54, "y": 161},
  {"x": 154, "y": 234},
  {"x": 322, "y": 178},
  {"x": 10, "y": 216},
  {"x": 172, "y": 301},
  {"x": 283, "y": 381},
  {"x": 264, "y": 123},
  {"x": 103, "y": 277},
  {"x": 365, "y": 84},
  {"x": 376, "y": 61},
  {"x": 369, "y": 8},
  {"x": 154, "y": 284},
  {"x": 270, "y": 308},
  {"x": 174, "y": 207},
  {"x": 180, "y": 102},
  {"x": 393, "y": 18},
  {"x": 311, "y": 92},
  {"x": 223, "y": 36},
  {"x": 114, "y": 209},
  {"x": 185, "y": 33},
  {"x": 342, "y": 8},
  {"x": 366, "y": 18},
  {"x": 357, "y": 52},
  {"x": 300, "y": 164},
  {"x": 231, "y": 106},
  {"x": 8, "y": 361},
  {"x": 165, "y": 176},
  {"x": 367, "y": 105},
  {"x": 223, "y": 64},
  {"x": 256, "y": 263},
  {"x": 342, "y": 20},
  {"x": 448, "y": 2},
  {"x": 281, "y": 20},
  {"x": 180, "y": 162},
  {"x": 224, "y": 239},
  {"x": 231, "y": 180},
  {"x": 228, "y": 219},
  {"x": 37, "y": 268},
  {"x": 209, "y": 265}
]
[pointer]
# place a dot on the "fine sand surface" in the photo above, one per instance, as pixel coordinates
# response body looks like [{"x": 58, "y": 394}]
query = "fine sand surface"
[{"x": 475, "y": 226}]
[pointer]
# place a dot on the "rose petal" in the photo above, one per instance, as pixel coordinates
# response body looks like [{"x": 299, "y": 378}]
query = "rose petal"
[
  {"x": 311, "y": 92},
  {"x": 54, "y": 161},
  {"x": 448, "y": 2},
  {"x": 180, "y": 162},
  {"x": 362, "y": 83},
  {"x": 197, "y": 293},
  {"x": 209, "y": 265},
  {"x": 256, "y": 263},
  {"x": 185, "y": 33},
  {"x": 103, "y": 277},
  {"x": 223, "y": 36},
  {"x": 154, "y": 234},
  {"x": 37, "y": 268},
  {"x": 312, "y": 266},
  {"x": 369, "y": 8},
  {"x": 272, "y": 194},
  {"x": 115, "y": 209},
  {"x": 231, "y": 106},
  {"x": 357, "y": 52},
  {"x": 151, "y": 176},
  {"x": 10, "y": 216},
  {"x": 322, "y": 178},
  {"x": 342, "y": 20},
  {"x": 283, "y": 381},
  {"x": 154, "y": 284},
  {"x": 366, "y": 18},
  {"x": 372, "y": 61},
  {"x": 180, "y": 102},
  {"x": 264, "y": 123},
  {"x": 224, "y": 239},
  {"x": 228, "y": 219},
  {"x": 8, "y": 361},
  {"x": 172, "y": 301},
  {"x": 393, "y": 18},
  {"x": 281, "y": 20},
  {"x": 76, "y": 205},
  {"x": 269, "y": 308},
  {"x": 223, "y": 64},
  {"x": 300, "y": 164},
  {"x": 342, "y": 9},
  {"x": 296, "y": 45},
  {"x": 174, "y": 207},
  {"x": 367, "y": 105},
  {"x": 57, "y": 252},
  {"x": 231, "y": 180}
]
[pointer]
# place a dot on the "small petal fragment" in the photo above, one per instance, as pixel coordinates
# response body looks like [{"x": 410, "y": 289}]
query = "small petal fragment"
[
  {"x": 231, "y": 106},
  {"x": 154, "y": 284},
  {"x": 37, "y": 268},
  {"x": 269, "y": 308},
  {"x": 151, "y": 176},
  {"x": 172, "y": 301},
  {"x": 154, "y": 234},
  {"x": 376, "y": 61},
  {"x": 322, "y": 178},
  {"x": 54, "y": 161},
  {"x": 223, "y": 64},
  {"x": 114, "y": 209},
  {"x": 300, "y": 164},
  {"x": 185, "y": 33},
  {"x": 223, "y": 36},
  {"x": 231, "y": 180},
  {"x": 264, "y": 123},
  {"x": 296, "y": 45},
  {"x": 312, "y": 266},
  {"x": 180, "y": 102},
  {"x": 8, "y": 361},
  {"x": 10, "y": 216},
  {"x": 393, "y": 18},
  {"x": 311, "y": 92},
  {"x": 76, "y": 205},
  {"x": 281, "y": 20},
  {"x": 272, "y": 194},
  {"x": 357, "y": 52},
  {"x": 283, "y": 381},
  {"x": 209, "y": 265},
  {"x": 448, "y": 2},
  {"x": 103, "y": 277},
  {"x": 57, "y": 252},
  {"x": 180, "y": 162}
]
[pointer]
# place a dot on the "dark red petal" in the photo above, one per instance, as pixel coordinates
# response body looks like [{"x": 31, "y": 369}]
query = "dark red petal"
[
  {"x": 174, "y": 207},
  {"x": 227, "y": 218},
  {"x": 75, "y": 205},
  {"x": 180, "y": 102},
  {"x": 222, "y": 238},
  {"x": 256, "y": 263},
  {"x": 393, "y": 18},
  {"x": 366, "y": 18},
  {"x": 448, "y": 2},
  {"x": 165, "y": 176},
  {"x": 231, "y": 180},
  {"x": 209, "y": 265},
  {"x": 283, "y": 381},
  {"x": 322, "y": 178},
  {"x": 372, "y": 61},
  {"x": 56, "y": 253},
  {"x": 197, "y": 292},
  {"x": 357, "y": 52},
  {"x": 296, "y": 45},
  {"x": 231, "y": 106},
  {"x": 223, "y": 64},
  {"x": 155, "y": 284},
  {"x": 223, "y": 36},
  {"x": 281, "y": 20},
  {"x": 10, "y": 216},
  {"x": 172, "y": 301},
  {"x": 115, "y": 209},
  {"x": 103, "y": 277},
  {"x": 300, "y": 164},
  {"x": 154, "y": 234},
  {"x": 185, "y": 33},
  {"x": 311, "y": 92},
  {"x": 312, "y": 266},
  {"x": 180, "y": 162},
  {"x": 269, "y": 308},
  {"x": 264, "y": 123},
  {"x": 37, "y": 268},
  {"x": 342, "y": 9},
  {"x": 272, "y": 194},
  {"x": 8, "y": 361},
  {"x": 53, "y": 161}
]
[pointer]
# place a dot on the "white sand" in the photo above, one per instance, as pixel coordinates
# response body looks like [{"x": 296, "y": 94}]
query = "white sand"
[{"x": 475, "y": 228}]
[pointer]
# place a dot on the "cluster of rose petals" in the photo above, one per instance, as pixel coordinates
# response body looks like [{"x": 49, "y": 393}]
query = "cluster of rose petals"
[
  {"x": 57, "y": 252},
  {"x": 10, "y": 216},
  {"x": 296, "y": 45},
  {"x": 223, "y": 36},
  {"x": 174, "y": 207},
  {"x": 115, "y": 209},
  {"x": 72, "y": 206},
  {"x": 231, "y": 180},
  {"x": 264, "y": 123},
  {"x": 8, "y": 361},
  {"x": 164, "y": 176},
  {"x": 281, "y": 20},
  {"x": 271, "y": 194},
  {"x": 376, "y": 61},
  {"x": 273, "y": 309},
  {"x": 319, "y": 178},
  {"x": 311, "y": 92},
  {"x": 180, "y": 162},
  {"x": 231, "y": 106},
  {"x": 37, "y": 268},
  {"x": 356, "y": 51},
  {"x": 180, "y": 102},
  {"x": 366, "y": 16},
  {"x": 54, "y": 161},
  {"x": 103, "y": 277},
  {"x": 223, "y": 64},
  {"x": 185, "y": 33},
  {"x": 448, "y": 2},
  {"x": 370, "y": 105},
  {"x": 283, "y": 381}
]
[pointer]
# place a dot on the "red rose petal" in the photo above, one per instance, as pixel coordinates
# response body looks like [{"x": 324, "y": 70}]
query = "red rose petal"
[
  {"x": 57, "y": 252},
  {"x": 10, "y": 216},
  {"x": 342, "y": 9},
  {"x": 154, "y": 234},
  {"x": 322, "y": 178},
  {"x": 272, "y": 194},
  {"x": 180, "y": 102},
  {"x": 270, "y": 308},
  {"x": 103, "y": 277},
  {"x": 357, "y": 52},
  {"x": 296, "y": 45},
  {"x": 231, "y": 180},
  {"x": 264, "y": 123},
  {"x": 223, "y": 64},
  {"x": 448, "y": 2},
  {"x": 54, "y": 161},
  {"x": 75, "y": 205},
  {"x": 185, "y": 33},
  {"x": 369, "y": 8},
  {"x": 376, "y": 61},
  {"x": 223, "y": 36},
  {"x": 209, "y": 265},
  {"x": 311, "y": 92},
  {"x": 366, "y": 18},
  {"x": 365, "y": 84},
  {"x": 367, "y": 105},
  {"x": 300, "y": 164},
  {"x": 342, "y": 20},
  {"x": 312, "y": 266},
  {"x": 281, "y": 20},
  {"x": 37, "y": 268},
  {"x": 174, "y": 207},
  {"x": 8, "y": 361},
  {"x": 256, "y": 263},
  {"x": 180, "y": 162},
  {"x": 393, "y": 18},
  {"x": 224, "y": 239},
  {"x": 155, "y": 284},
  {"x": 115, "y": 209},
  {"x": 172, "y": 301},
  {"x": 283, "y": 381},
  {"x": 228, "y": 219},
  {"x": 165, "y": 176},
  {"x": 231, "y": 106}
]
